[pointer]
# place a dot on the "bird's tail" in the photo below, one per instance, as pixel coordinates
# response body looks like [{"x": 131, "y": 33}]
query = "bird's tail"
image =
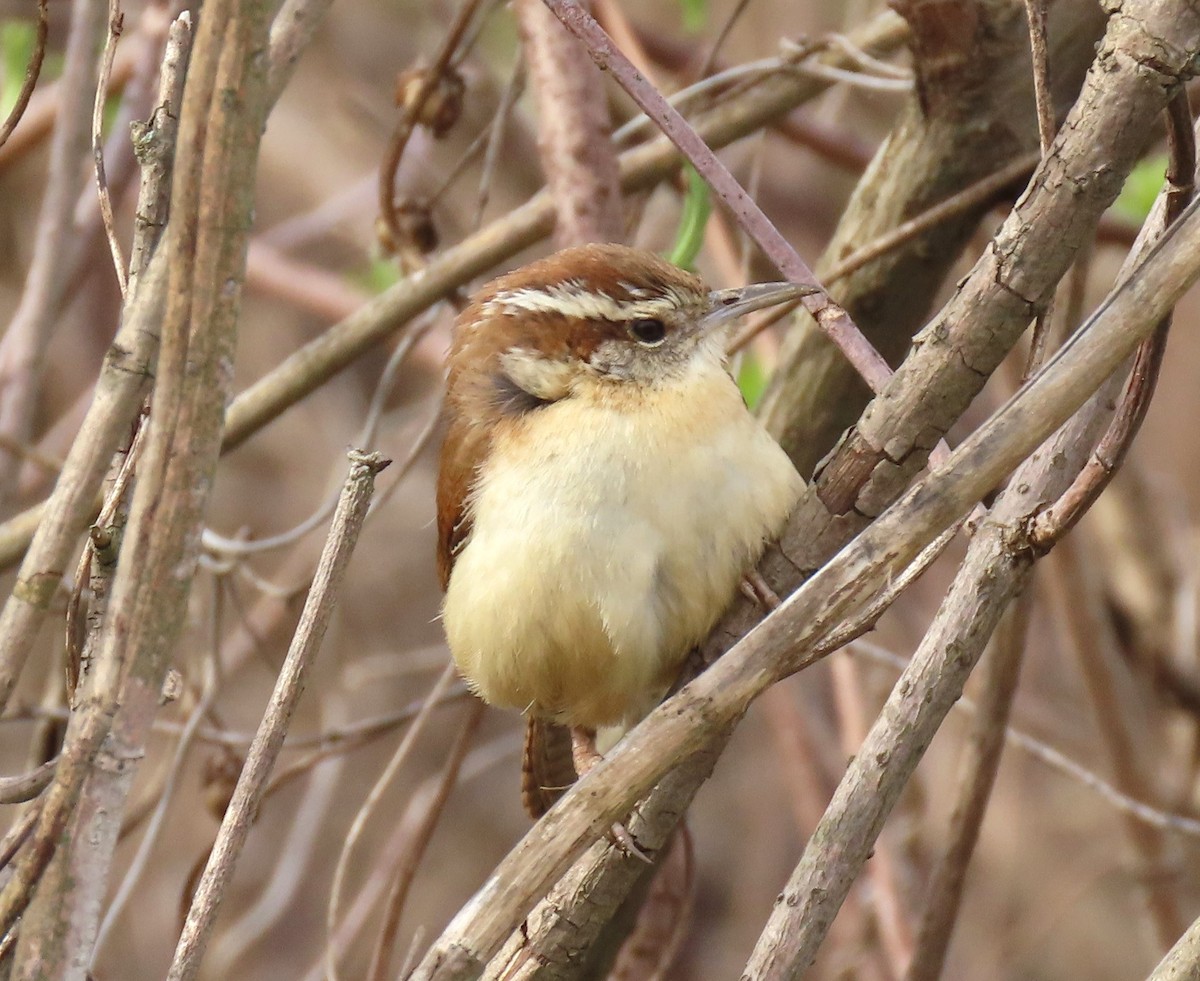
[{"x": 547, "y": 768}]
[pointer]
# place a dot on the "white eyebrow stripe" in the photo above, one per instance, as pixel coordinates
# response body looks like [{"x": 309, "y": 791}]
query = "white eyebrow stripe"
[{"x": 572, "y": 300}]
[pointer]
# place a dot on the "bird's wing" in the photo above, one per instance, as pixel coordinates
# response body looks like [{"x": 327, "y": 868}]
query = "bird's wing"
[{"x": 462, "y": 453}]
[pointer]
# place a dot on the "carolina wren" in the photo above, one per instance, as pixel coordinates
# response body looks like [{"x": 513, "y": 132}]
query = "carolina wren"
[{"x": 603, "y": 487}]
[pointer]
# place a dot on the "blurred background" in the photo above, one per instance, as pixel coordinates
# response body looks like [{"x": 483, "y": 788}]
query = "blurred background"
[{"x": 1055, "y": 891}]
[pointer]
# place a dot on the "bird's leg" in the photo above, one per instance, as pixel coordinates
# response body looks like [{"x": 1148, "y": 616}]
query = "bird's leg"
[
  {"x": 758, "y": 591},
  {"x": 583, "y": 749},
  {"x": 586, "y": 756}
]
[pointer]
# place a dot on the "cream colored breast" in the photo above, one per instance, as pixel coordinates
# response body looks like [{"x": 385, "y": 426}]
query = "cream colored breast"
[{"x": 608, "y": 537}]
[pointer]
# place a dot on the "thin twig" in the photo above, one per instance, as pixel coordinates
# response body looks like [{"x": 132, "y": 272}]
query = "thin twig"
[
  {"x": 17, "y": 790},
  {"x": 382, "y": 782},
  {"x": 508, "y": 99},
  {"x": 969, "y": 198},
  {"x": 366, "y": 438},
  {"x": 977, "y": 776},
  {"x": 1063, "y": 515},
  {"x": 116, "y": 21},
  {"x": 710, "y": 59},
  {"x": 1035, "y": 11},
  {"x": 426, "y": 85},
  {"x": 27, "y": 339},
  {"x": 289, "y": 685},
  {"x": 831, "y": 318},
  {"x": 32, "y": 71},
  {"x": 1058, "y": 761},
  {"x": 385, "y": 943},
  {"x": 40, "y": 117}
]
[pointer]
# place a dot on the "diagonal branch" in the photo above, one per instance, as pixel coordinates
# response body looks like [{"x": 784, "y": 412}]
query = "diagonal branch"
[{"x": 832, "y": 318}]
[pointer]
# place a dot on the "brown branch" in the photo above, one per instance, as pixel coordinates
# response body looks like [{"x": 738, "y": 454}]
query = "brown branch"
[
  {"x": 412, "y": 106},
  {"x": 124, "y": 378},
  {"x": 996, "y": 568},
  {"x": 221, "y": 124},
  {"x": 977, "y": 776},
  {"x": 116, "y": 21},
  {"x": 578, "y": 158},
  {"x": 1063, "y": 515},
  {"x": 832, "y": 319},
  {"x": 994, "y": 571},
  {"x": 1015, "y": 278},
  {"x": 25, "y": 342},
  {"x": 32, "y": 71},
  {"x": 386, "y": 941},
  {"x": 968, "y": 117},
  {"x": 289, "y": 685}
]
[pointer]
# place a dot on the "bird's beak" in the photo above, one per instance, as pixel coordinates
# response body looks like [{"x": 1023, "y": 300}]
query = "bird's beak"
[{"x": 728, "y": 305}]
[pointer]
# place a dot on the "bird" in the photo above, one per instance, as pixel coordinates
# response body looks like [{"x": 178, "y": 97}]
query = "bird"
[{"x": 602, "y": 491}]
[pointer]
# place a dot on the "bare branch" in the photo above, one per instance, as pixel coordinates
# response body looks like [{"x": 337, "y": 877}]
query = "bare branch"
[
  {"x": 116, "y": 20},
  {"x": 123, "y": 381},
  {"x": 23, "y": 348},
  {"x": 289, "y": 685},
  {"x": 32, "y": 71},
  {"x": 832, "y": 319},
  {"x": 386, "y": 942},
  {"x": 977, "y": 775},
  {"x": 206, "y": 247},
  {"x": 578, "y": 157}
]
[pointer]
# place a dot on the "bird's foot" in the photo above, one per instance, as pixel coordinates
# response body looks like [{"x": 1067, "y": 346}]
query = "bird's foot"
[
  {"x": 758, "y": 591},
  {"x": 586, "y": 756}
]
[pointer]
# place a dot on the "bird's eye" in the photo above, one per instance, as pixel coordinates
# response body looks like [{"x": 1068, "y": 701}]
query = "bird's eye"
[{"x": 649, "y": 332}]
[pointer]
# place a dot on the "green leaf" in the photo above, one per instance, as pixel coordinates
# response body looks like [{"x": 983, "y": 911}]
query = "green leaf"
[
  {"x": 16, "y": 48},
  {"x": 378, "y": 276},
  {"x": 697, "y": 206},
  {"x": 751, "y": 379},
  {"x": 695, "y": 15},
  {"x": 1141, "y": 188}
]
